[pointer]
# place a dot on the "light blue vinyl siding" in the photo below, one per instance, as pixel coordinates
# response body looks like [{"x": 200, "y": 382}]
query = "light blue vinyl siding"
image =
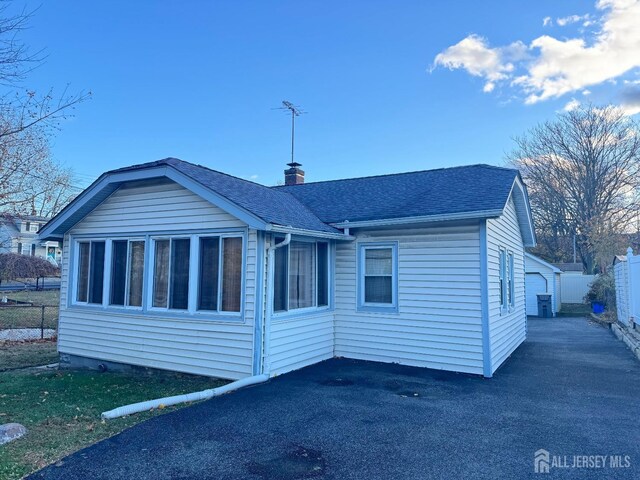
[
  {"x": 438, "y": 322},
  {"x": 507, "y": 326},
  {"x": 185, "y": 343}
]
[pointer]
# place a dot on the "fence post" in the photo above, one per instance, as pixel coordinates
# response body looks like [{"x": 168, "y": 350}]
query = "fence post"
[{"x": 42, "y": 323}]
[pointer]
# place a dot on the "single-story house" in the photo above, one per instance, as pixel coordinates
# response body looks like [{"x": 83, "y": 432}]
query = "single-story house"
[
  {"x": 541, "y": 278},
  {"x": 176, "y": 266}
]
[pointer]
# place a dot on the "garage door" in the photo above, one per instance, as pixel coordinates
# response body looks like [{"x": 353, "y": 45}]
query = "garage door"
[{"x": 535, "y": 284}]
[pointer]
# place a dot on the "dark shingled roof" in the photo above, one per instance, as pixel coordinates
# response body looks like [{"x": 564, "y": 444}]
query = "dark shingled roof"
[
  {"x": 269, "y": 204},
  {"x": 469, "y": 189},
  {"x": 474, "y": 189}
]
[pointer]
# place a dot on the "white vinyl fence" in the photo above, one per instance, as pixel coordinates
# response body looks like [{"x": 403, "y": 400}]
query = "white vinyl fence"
[
  {"x": 627, "y": 277},
  {"x": 573, "y": 287}
]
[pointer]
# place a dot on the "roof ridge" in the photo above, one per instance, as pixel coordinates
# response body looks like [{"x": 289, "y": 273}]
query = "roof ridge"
[{"x": 457, "y": 167}]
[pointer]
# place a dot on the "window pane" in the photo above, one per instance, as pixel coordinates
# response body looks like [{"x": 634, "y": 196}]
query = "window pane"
[
  {"x": 302, "y": 275},
  {"x": 161, "y": 273},
  {"x": 136, "y": 273},
  {"x": 378, "y": 261},
  {"x": 96, "y": 272},
  {"x": 378, "y": 290},
  {"x": 280, "y": 280},
  {"x": 118, "y": 271},
  {"x": 209, "y": 260},
  {"x": 323, "y": 274},
  {"x": 83, "y": 272},
  {"x": 179, "y": 280},
  {"x": 231, "y": 274}
]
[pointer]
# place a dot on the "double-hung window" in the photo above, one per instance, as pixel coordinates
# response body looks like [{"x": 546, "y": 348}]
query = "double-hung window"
[
  {"x": 301, "y": 277},
  {"x": 127, "y": 272},
  {"x": 378, "y": 276},
  {"x": 220, "y": 274},
  {"x": 90, "y": 282}
]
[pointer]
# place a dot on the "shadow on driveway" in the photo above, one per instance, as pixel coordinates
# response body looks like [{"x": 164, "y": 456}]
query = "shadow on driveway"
[{"x": 571, "y": 389}]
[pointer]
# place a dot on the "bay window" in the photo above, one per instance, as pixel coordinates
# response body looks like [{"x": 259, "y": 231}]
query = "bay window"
[{"x": 301, "y": 277}]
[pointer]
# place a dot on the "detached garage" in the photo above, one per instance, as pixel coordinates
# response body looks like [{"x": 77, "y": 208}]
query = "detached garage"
[{"x": 541, "y": 277}]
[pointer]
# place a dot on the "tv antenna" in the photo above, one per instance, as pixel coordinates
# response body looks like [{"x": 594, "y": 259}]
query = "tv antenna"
[{"x": 295, "y": 111}]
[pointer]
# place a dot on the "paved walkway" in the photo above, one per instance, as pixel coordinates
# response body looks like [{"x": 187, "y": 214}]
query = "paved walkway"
[{"x": 571, "y": 389}]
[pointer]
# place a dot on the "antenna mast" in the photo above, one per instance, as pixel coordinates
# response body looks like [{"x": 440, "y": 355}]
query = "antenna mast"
[{"x": 295, "y": 112}]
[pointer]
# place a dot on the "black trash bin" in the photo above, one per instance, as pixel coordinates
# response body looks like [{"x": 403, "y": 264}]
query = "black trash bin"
[{"x": 544, "y": 305}]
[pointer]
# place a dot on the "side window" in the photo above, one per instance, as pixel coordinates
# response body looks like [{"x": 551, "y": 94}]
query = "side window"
[
  {"x": 301, "y": 278},
  {"x": 378, "y": 276},
  {"x": 503, "y": 277},
  {"x": 127, "y": 270},
  {"x": 90, "y": 272},
  {"x": 511, "y": 288}
]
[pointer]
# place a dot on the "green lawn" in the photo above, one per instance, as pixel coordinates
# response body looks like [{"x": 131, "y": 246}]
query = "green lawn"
[
  {"x": 62, "y": 410},
  {"x": 30, "y": 317},
  {"x": 31, "y": 354},
  {"x": 45, "y": 297}
]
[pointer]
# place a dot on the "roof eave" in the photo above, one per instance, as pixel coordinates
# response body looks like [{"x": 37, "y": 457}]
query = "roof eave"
[
  {"x": 309, "y": 233},
  {"x": 480, "y": 214},
  {"x": 55, "y": 228}
]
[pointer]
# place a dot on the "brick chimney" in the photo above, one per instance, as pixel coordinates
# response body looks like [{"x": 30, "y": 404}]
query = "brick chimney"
[{"x": 294, "y": 175}]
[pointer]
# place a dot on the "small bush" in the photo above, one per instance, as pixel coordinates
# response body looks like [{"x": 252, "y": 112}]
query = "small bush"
[{"x": 602, "y": 290}]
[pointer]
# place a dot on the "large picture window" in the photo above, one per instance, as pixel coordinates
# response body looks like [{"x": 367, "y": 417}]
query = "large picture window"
[
  {"x": 127, "y": 272},
  {"x": 90, "y": 272},
  {"x": 378, "y": 276},
  {"x": 220, "y": 274},
  {"x": 194, "y": 274},
  {"x": 301, "y": 278}
]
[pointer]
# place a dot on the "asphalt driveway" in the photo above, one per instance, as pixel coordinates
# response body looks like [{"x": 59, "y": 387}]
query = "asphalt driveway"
[{"x": 571, "y": 389}]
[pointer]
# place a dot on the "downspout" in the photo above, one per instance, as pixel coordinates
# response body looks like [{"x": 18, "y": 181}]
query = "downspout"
[{"x": 266, "y": 344}]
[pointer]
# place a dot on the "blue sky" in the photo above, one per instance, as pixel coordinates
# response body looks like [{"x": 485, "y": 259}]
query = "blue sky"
[{"x": 198, "y": 80}]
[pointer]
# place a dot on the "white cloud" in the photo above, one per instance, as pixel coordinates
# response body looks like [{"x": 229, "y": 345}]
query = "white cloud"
[
  {"x": 253, "y": 177},
  {"x": 571, "y": 105},
  {"x": 563, "y": 21},
  {"x": 551, "y": 67},
  {"x": 546, "y": 21}
]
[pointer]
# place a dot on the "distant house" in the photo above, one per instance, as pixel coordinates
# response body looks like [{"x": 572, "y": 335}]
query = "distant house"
[
  {"x": 19, "y": 234},
  {"x": 175, "y": 266},
  {"x": 541, "y": 278}
]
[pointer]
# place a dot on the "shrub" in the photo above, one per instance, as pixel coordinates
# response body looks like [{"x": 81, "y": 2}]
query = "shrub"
[
  {"x": 13, "y": 266},
  {"x": 602, "y": 290}
]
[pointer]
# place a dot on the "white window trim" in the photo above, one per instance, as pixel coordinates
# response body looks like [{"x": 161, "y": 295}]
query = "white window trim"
[
  {"x": 363, "y": 306},
  {"x": 147, "y": 293},
  {"x": 76, "y": 265},
  {"x": 281, "y": 314},
  {"x": 126, "y": 285}
]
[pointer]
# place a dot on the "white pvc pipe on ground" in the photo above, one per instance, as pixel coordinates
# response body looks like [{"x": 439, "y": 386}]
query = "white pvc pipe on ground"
[{"x": 187, "y": 397}]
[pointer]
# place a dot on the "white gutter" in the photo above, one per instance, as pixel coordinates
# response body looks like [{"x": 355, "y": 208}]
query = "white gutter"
[
  {"x": 187, "y": 397},
  {"x": 312, "y": 233},
  {"x": 266, "y": 346},
  {"x": 426, "y": 218}
]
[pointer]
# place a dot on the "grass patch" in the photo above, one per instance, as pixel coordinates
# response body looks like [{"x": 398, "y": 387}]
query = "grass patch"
[
  {"x": 61, "y": 410},
  {"x": 37, "y": 297},
  {"x": 574, "y": 310},
  {"x": 28, "y": 354},
  {"x": 27, "y": 316}
]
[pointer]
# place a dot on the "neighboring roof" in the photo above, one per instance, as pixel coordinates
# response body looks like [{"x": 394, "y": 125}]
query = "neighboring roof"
[
  {"x": 541, "y": 262},
  {"x": 473, "y": 188},
  {"x": 570, "y": 267},
  {"x": 476, "y": 191},
  {"x": 619, "y": 258}
]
